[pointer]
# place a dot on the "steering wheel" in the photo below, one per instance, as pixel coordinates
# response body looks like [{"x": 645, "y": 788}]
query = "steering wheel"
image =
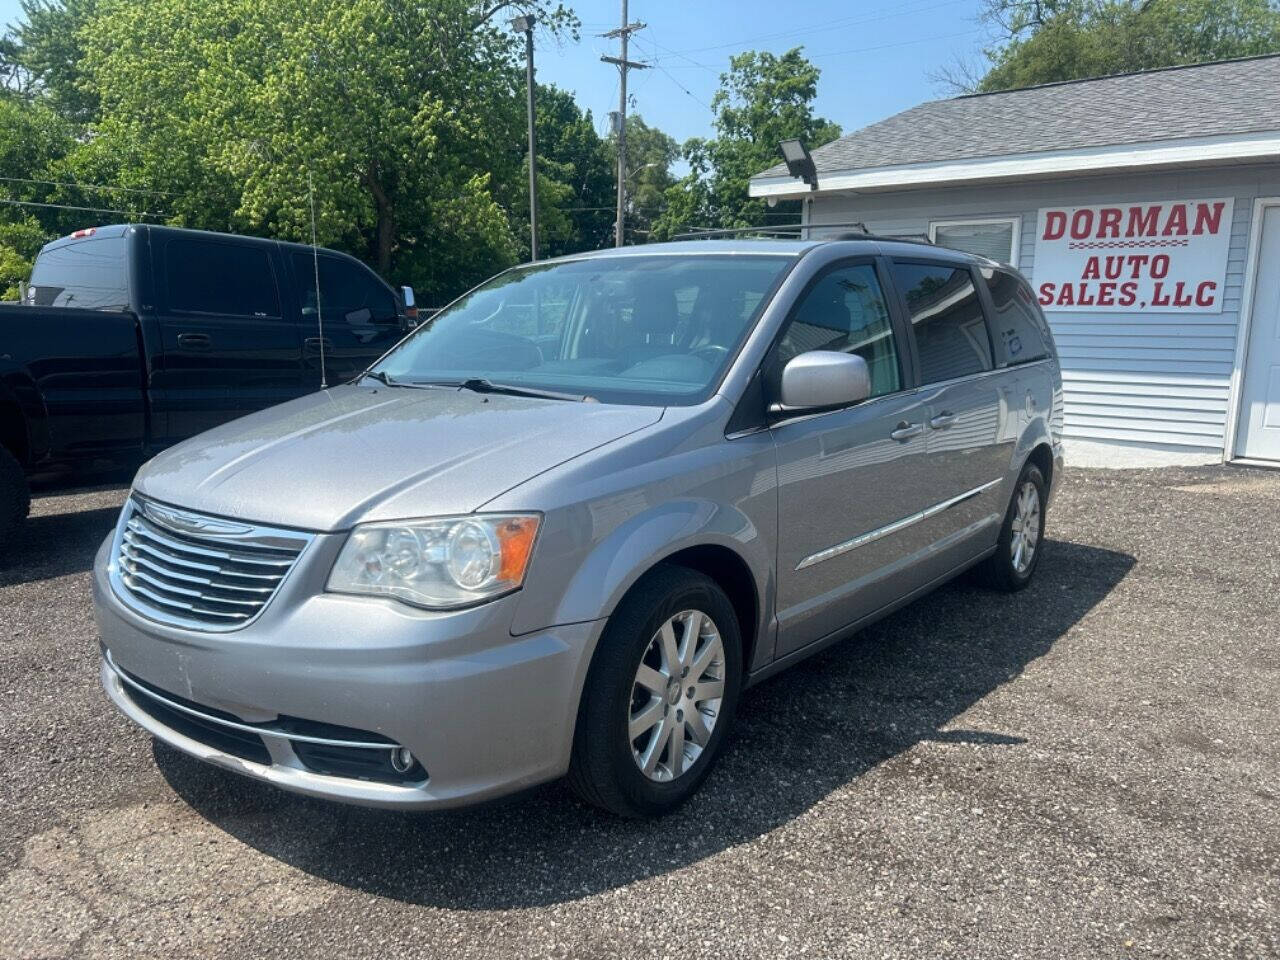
[{"x": 712, "y": 353}]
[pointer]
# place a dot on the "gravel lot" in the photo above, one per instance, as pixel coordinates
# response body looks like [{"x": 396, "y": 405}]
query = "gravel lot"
[{"x": 1088, "y": 769}]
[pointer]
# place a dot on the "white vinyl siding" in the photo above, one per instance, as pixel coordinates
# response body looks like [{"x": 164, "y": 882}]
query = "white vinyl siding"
[{"x": 1153, "y": 379}]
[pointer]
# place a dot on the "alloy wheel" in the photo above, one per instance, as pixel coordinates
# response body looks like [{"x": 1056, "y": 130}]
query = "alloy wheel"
[
  {"x": 1026, "y": 527},
  {"x": 676, "y": 695}
]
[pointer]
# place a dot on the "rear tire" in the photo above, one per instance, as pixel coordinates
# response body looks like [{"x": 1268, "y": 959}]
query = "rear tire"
[
  {"x": 1021, "y": 541},
  {"x": 15, "y": 498},
  {"x": 650, "y": 724}
]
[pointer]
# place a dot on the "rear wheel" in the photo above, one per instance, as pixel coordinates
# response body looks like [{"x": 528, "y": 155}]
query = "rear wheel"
[
  {"x": 1021, "y": 537},
  {"x": 15, "y": 499},
  {"x": 660, "y": 695}
]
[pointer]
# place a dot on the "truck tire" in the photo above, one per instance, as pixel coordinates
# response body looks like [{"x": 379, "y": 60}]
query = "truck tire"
[{"x": 15, "y": 498}]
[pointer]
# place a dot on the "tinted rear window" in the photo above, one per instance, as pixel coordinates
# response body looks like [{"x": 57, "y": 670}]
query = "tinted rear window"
[
  {"x": 1016, "y": 326},
  {"x": 91, "y": 273},
  {"x": 209, "y": 276},
  {"x": 946, "y": 317}
]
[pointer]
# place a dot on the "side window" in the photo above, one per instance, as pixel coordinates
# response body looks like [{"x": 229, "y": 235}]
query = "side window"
[
  {"x": 348, "y": 292},
  {"x": 1016, "y": 325},
  {"x": 946, "y": 318},
  {"x": 209, "y": 276},
  {"x": 845, "y": 311}
]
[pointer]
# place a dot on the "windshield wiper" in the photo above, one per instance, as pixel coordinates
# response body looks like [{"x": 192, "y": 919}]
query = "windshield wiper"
[
  {"x": 382, "y": 378},
  {"x": 481, "y": 385}
]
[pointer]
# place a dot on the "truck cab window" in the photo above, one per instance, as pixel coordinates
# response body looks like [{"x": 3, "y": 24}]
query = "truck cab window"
[
  {"x": 212, "y": 276},
  {"x": 348, "y": 292}
]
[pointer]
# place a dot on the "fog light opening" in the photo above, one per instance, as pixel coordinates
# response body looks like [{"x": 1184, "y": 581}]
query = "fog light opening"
[{"x": 401, "y": 759}]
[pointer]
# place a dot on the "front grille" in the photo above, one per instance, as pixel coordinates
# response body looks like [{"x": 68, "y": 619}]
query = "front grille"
[{"x": 192, "y": 570}]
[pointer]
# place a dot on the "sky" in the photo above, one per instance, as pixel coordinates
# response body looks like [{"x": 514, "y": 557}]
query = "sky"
[{"x": 875, "y": 55}]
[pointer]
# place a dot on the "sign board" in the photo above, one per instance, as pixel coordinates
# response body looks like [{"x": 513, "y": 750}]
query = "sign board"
[{"x": 1163, "y": 257}]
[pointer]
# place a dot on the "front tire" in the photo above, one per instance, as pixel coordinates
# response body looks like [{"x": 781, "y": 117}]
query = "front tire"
[
  {"x": 1021, "y": 541},
  {"x": 15, "y": 498},
  {"x": 660, "y": 696}
]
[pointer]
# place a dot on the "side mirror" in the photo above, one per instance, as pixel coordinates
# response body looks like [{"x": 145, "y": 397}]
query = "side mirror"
[
  {"x": 824, "y": 379},
  {"x": 410, "y": 305}
]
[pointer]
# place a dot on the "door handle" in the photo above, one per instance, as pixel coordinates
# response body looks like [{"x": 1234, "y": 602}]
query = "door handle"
[
  {"x": 943, "y": 420},
  {"x": 195, "y": 341},
  {"x": 906, "y": 431},
  {"x": 315, "y": 343}
]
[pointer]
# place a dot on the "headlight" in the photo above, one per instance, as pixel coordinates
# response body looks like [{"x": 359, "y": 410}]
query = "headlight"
[{"x": 440, "y": 563}]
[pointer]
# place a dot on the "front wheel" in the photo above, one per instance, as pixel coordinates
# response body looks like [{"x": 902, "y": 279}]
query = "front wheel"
[
  {"x": 660, "y": 695},
  {"x": 15, "y": 498},
  {"x": 1018, "y": 550}
]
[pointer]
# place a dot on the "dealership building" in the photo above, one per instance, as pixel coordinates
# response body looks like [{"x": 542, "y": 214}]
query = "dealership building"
[{"x": 1145, "y": 210}]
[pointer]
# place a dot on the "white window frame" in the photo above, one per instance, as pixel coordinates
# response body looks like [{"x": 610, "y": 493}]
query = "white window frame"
[{"x": 1015, "y": 222}]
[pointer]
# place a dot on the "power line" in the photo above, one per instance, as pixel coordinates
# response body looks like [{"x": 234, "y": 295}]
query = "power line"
[
  {"x": 65, "y": 206},
  {"x": 695, "y": 97},
  {"x": 88, "y": 186}
]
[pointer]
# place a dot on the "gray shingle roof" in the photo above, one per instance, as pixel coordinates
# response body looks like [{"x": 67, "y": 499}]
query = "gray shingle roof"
[{"x": 1228, "y": 97}]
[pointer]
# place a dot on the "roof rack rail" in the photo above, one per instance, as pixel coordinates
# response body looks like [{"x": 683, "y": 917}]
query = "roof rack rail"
[{"x": 799, "y": 231}]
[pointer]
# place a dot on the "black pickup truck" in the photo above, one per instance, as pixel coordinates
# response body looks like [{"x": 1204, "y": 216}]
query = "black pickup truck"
[{"x": 132, "y": 337}]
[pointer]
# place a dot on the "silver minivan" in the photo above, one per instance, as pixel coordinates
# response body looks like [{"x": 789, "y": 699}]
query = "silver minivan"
[{"x": 559, "y": 528}]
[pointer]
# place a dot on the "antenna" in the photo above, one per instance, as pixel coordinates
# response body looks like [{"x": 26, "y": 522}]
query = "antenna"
[{"x": 315, "y": 257}]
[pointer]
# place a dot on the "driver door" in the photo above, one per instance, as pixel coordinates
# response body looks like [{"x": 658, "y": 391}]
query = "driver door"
[{"x": 847, "y": 479}]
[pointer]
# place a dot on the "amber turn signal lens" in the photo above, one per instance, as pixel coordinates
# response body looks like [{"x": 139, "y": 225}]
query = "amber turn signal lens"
[{"x": 515, "y": 537}]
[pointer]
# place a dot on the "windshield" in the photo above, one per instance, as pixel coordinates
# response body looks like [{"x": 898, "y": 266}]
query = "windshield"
[{"x": 638, "y": 329}]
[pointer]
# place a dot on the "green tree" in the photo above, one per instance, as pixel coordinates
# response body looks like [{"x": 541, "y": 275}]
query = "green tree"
[
  {"x": 1051, "y": 40},
  {"x": 48, "y": 50},
  {"x": 575, "y": 178},
  {"x": 762, "y": 100},
  {"x": 392, "y": 108},
  {"x": 650, "y": 154},
  {"x": 33, "y": 142}
]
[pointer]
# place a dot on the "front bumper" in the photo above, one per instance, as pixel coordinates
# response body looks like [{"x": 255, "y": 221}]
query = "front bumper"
[{"x": 483, "y": 712}]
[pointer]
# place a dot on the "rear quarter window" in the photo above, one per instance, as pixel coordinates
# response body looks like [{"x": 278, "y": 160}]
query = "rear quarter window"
[
  {"x": 1017, "y": 325},
  {"x": 91, "y": 273}
]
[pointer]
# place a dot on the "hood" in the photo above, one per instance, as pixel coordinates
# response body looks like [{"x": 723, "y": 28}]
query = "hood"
[{"x": 354, "y": 454}]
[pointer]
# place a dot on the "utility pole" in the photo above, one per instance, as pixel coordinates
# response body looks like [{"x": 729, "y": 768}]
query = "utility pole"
[
  {"x": 623, "y": 64},
  {"x": 525, "y": 25}
]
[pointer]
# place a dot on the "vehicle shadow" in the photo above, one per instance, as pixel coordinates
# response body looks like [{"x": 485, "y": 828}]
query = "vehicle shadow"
[
  {"x": 801, "y": 735},
  {"x": 56, "y": 544}
]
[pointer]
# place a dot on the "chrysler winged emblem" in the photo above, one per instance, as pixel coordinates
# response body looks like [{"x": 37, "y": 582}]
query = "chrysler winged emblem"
[{"x": 182, "y": 522}]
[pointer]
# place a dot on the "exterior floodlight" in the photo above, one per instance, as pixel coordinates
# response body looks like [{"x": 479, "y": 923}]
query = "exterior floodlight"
[
  {"x": 523, "y": 24},
  {"x": 799, "y": 162}
]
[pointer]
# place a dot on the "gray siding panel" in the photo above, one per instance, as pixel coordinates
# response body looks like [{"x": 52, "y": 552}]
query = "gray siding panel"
[{"x": 1138, "y": 378}]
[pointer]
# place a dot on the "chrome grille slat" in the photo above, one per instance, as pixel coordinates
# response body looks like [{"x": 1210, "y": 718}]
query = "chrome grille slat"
[
  {"x": 202, "y": 572},
  {"x": 150, "y": 550},
  {"x": 186, "y": 546},
  {"x": 163, "y": 571},
  {"x": 189, "y": 607},
  {"x": 203, "y": 595}
]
